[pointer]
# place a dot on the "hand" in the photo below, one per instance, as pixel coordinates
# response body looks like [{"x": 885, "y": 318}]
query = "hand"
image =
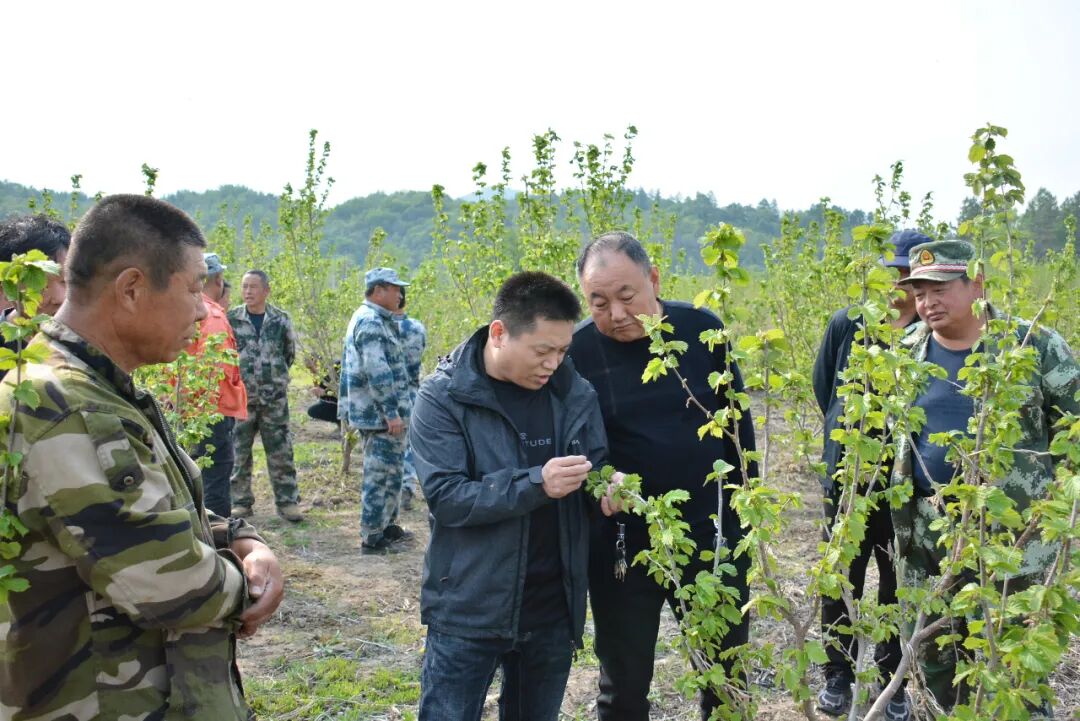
[
  {"x": 564, "y": 475},
  {"x": 318, "y": 391},
  {"x": 395, "y": 426},
  {"x": 609, "y": 505},
  {"x": 265, "y": 583}
]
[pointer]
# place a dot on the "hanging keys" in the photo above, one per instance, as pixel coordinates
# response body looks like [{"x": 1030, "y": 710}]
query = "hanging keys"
[{"x": 620, "y": 553}]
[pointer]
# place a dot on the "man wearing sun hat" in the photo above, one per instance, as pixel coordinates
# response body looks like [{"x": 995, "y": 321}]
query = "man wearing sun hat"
[
  {"x": 835, "y": 697},
  {"x": 232, "y": 396},
  {"x": 951, "y": 330},
  {"x": 374, "y": 398}
]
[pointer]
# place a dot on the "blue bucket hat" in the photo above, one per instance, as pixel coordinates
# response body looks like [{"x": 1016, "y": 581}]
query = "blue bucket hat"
[
  {"x": 214, "y": 266},
  {"x": 383, "y": 275},
  {"x": 903, "y": 241}
]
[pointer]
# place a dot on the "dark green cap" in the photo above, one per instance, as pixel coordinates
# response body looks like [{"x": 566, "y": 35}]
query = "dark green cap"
[{"x": 940, "y": 260}]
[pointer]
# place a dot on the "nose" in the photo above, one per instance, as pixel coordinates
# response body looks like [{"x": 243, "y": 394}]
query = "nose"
[
  {"x": 200, "y": 309},
  {"x": 618, "y": 312}
]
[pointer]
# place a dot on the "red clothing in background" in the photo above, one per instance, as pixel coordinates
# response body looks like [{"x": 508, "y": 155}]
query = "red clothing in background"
[{"x": 232, "y": 402}]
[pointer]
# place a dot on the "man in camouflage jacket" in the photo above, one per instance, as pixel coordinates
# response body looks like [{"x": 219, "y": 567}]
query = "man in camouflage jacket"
[
  {"x": 414, "y": 341},
  {"x": 135, "y": 592},
  {"x": 266, "y": 344},
  {"x": 944, "y": 296},
  {"x": 375, "y": 399}
]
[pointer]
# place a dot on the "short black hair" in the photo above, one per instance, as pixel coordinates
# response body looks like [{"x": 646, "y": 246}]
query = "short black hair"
[
  {"x": 136, "y": 229},
  {"x": 370, "y": 290},
  {"x": 24, "y": 233},
  {"x": 261, "y": 275},
  {"x": 620, "y": 242},
  {"x": 526, "y": 296}
]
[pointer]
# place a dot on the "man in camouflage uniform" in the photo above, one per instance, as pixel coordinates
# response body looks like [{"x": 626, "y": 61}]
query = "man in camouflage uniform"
[
  {"x": 135, "y": 592},
  {"x": 266, "y": 344},
  {"x": 375, "y": 399},
  {"x": 414, "y": 341},
  {"x": 944, "y": 295}
]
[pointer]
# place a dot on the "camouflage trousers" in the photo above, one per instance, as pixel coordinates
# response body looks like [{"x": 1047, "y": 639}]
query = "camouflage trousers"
[
  {"x": 271, "y": 422},
  {"x": 919, "y": 561},
  {"x": 384, "y": 462}
]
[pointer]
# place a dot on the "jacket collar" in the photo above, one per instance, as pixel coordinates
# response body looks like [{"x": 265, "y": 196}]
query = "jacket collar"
[
  {"x": 379, "y": 310},
  {"x": 469, "y": 384},
  {"x": 94, "y": 358}
]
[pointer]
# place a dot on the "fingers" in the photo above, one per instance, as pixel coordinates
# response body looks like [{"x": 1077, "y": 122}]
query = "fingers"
[
  {"x": 564, "y": 475},
  {"x": 263, "y": 608},
  {"x": 265, "y": 584}
]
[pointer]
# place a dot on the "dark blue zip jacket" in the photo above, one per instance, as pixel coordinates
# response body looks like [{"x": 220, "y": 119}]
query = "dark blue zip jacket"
[{"x": 480, "y": 492}]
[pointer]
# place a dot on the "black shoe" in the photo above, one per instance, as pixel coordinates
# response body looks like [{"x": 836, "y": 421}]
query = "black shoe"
[
  {"x": 899, "y": 707},
  {"x": 396, "y": 534},
  {"x": 835, "y": 698},
  {"x": 380, "y": 547}
]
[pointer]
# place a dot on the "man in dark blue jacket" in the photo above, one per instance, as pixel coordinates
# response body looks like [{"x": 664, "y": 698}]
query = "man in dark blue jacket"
[
  {"x": 835, "y": 697},
  {"x": 503, "y": 434}
]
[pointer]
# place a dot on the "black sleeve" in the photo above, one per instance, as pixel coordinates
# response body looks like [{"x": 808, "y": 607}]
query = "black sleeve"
[{"x": 824, "y": 375}]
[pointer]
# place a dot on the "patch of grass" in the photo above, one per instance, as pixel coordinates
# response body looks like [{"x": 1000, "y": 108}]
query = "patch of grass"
[{"x": 333, "y": 688}]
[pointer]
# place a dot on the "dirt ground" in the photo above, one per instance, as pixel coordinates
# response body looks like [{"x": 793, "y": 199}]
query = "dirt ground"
[{"x": 347, "y": 642}]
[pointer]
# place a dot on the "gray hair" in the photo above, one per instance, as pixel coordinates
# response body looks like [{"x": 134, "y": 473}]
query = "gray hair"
[{"x": 617, "y": 241}]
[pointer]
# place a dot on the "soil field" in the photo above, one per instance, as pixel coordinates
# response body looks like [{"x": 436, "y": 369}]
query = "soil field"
[{"x": 347, "y": 642}]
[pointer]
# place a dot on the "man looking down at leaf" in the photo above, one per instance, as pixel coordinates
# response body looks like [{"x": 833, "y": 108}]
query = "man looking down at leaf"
[
  {"x": 135, "y": 592},
  {"x": 652, "y": 431},
  {"x": 504, "y": 433}
]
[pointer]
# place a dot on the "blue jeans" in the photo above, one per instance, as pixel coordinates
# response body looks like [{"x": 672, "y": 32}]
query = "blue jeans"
[{"x": 458, "y": 672}]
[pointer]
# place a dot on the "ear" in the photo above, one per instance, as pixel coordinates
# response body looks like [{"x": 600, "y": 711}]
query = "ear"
[
  {"x": 130, "y": 288},
  {"x": 497, "y": 332},
  {"x": 654, "y": 279}
]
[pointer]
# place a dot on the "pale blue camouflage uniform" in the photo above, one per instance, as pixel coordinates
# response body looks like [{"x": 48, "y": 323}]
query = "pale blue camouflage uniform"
[
  {"x": 414, "y": 340},
  {"x": 374, "y": 387},
  {"x": 134, "y": 595},
  {"x": 265, "y": 358}
]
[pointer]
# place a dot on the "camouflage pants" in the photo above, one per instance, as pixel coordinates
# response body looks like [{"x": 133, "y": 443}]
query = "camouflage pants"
[
  {"x": 920, "y": 559},
  {"x": 271, "y": 422},
  {"x": 409, "y": 485},
  {"x": 384, "y": 461}
]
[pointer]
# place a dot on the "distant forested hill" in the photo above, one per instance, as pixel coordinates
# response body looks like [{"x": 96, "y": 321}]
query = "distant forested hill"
[{"x": 406, "y": 216}]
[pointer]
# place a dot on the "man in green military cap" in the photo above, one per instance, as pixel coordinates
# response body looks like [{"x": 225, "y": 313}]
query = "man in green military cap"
[
  {"x": 136, "y": 593},
  {"x": 945, "y": 297}
]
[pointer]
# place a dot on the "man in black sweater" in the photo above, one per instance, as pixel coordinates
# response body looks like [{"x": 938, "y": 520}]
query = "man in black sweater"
[
  {"x": 835, "y": 698},
  {"x": 652, "y": 431}
]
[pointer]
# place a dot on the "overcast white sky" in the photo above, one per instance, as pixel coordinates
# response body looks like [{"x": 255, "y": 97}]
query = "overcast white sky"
[{"x": 783, "y": 100}]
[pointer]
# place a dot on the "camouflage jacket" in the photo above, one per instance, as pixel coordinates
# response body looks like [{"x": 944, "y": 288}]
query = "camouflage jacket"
[
  {"x": 414, "y": 341},
  {"x": 134, "y": 596},
  {"x": 1054, "y": 386},
  {"x": 374, "y": 383},
  {"x": 265, "y": 357}
]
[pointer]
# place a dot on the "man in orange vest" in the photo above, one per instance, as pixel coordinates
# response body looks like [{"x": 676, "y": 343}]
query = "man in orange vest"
[{"x": 232, "y": 399}]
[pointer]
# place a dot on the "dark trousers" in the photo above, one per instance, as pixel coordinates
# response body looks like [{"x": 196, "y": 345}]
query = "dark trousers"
[
  {"x": 324, "y": 410},
  {"x": 626, "y": 615},
  {"x": 458, "y": 671},
  {"x": 216, "y": 476},
  {"x": 879, "y": 534}
]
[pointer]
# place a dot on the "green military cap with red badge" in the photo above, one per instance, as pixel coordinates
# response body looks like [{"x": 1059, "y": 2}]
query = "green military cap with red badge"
[{"x": 940, "y": 260}]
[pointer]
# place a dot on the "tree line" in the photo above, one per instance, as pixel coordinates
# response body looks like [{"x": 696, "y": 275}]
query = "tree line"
[{"x": 408, "y": 219}]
